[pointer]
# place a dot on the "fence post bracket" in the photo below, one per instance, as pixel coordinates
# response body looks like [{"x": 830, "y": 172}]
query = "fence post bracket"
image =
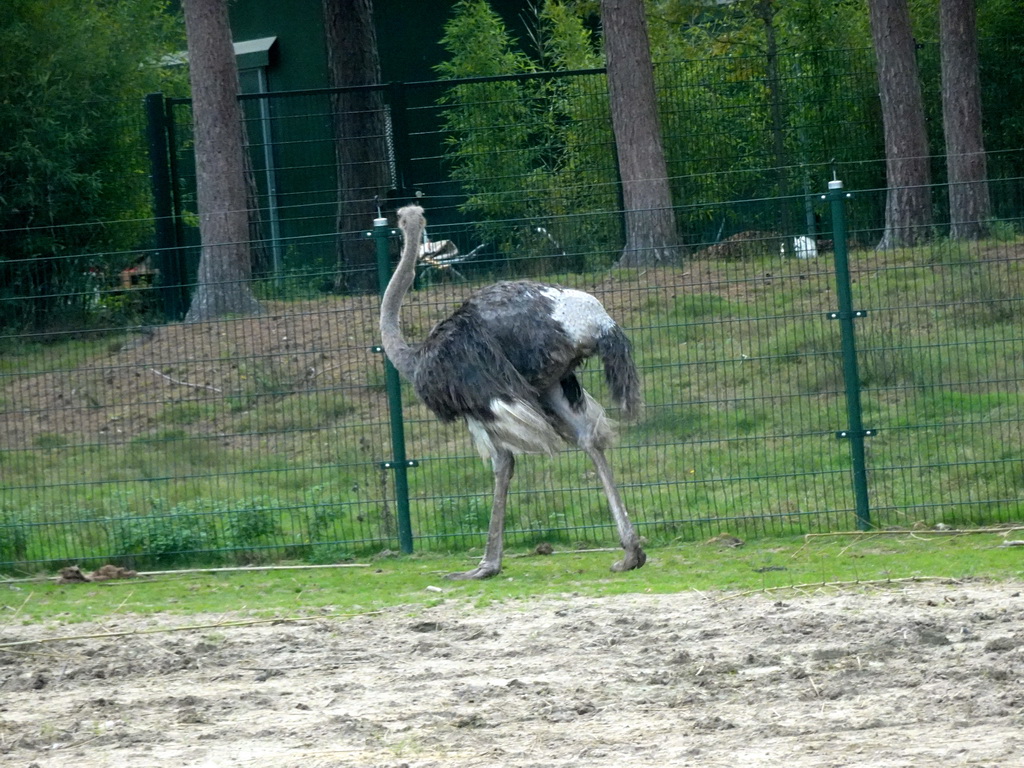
[
  {"x": 847, "y": 315},
  {"x": 398, "y": 464},
  {"x": 844, "y": 434}
]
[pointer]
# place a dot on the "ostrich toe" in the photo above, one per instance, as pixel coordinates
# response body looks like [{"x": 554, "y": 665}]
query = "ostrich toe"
[
  {"x": 633, "y": 559},
  {"x": 482, "y": 571}
]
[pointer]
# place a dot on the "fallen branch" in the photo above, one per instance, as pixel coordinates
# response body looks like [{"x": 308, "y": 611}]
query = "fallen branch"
[
  {"x": 313, "y": 372},
  {"x": 185, "y": 383},
  {"x": 555, "y": 552},
  {"x": 911, "y": 532},
  {"x": 867, "y": 535},
  {"x": 249, "y": 568},
  {"x": 193, "y": 571}
]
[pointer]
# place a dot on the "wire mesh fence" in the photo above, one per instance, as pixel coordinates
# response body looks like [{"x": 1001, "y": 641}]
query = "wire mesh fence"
[{"x": 129, "y": 439}]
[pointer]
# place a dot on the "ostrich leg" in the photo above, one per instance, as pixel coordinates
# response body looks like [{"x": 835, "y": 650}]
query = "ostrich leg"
[
  {"x": 504, "y": 465},
  {"x": 635, "y": 557},
  {"x": 591, "y": 429}
]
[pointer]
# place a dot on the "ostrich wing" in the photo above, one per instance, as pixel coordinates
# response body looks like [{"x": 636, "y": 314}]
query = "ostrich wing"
[{"x": 462, "y": 370}]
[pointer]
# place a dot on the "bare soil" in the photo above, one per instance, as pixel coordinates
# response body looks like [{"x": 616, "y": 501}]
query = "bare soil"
[{"x": 926, "y": 674}]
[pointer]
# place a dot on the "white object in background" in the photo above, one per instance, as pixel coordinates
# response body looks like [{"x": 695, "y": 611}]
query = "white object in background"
[{"x": 804, "y": 247}]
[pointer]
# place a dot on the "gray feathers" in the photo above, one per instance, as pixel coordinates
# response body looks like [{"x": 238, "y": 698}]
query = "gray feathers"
[{"x": 505, "y": 345}]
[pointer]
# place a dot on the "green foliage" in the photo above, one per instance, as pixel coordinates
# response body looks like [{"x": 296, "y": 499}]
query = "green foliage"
[
  {"x": 49, "y": 440},
  {"x": 528, "y": 148},
  {"x": 717, "y": 94},
  {"x": 480, "y": 44},
  {"x": 14, "y": 536},
  {"x": 496, "y": 132},
  {"x": 529, "y": 152},
  {"x": 118, "y": 308},
  {"x": 1002, "y": 231},
  {"x": 183, "y": 413},
  {"x": 247, "y": 527},
  {"x": 168, "y": 535},
  {"x": 325, "y": 554},
  {"x": 165, "y": 537},
  {"x": 1001, "y": 50},
  {"x": 73, "y": 170},
  {"x": 742, "y": 118},
  {"x": 463, "y": 515}
]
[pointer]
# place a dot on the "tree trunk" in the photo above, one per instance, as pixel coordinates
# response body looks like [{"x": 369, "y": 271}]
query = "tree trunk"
[
  {"x": 908, "y": 214},
  {"x": 224, "y": 264},
  {"x": 651, "y": 236},
  {"x": 360, "y": 137},
  {"x": 766, "y": 10},
  {"x": 969, "y": 204}
]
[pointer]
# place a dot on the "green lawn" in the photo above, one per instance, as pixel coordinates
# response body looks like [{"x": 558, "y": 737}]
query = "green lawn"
[{"x": 788, "y": 564}]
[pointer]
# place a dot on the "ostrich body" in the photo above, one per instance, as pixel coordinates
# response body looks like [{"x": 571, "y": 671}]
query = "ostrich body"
[{"x": 505, "y": 362}]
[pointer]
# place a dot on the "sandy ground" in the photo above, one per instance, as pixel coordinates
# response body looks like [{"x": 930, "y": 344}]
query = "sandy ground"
[{"x": 925, "y": 674}]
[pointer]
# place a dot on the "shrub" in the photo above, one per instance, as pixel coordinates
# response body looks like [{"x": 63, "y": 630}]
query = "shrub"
[
  {"x": 162, "y": 538},
  {"x": 13, "y": 537}
]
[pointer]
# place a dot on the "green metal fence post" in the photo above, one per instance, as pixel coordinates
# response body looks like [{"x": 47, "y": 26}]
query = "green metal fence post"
[
  {"x": 165, "y": 252},
  {"x": 399, "y": 463},
  {"x": 846, "y": 315}
]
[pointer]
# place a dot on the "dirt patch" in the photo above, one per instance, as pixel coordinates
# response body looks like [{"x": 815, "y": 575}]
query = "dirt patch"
[
  {"x": 203, "y": 379},
  {"x": 918, "y": 675}
]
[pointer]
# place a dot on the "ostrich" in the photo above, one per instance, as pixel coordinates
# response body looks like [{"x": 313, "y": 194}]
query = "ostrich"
[{"x": 505, "y": 362}]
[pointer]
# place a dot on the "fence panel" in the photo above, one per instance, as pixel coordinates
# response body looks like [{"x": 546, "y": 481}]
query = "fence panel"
[
  {"x": 245, "y": 440},
  {"x": 939, "y": 352}
]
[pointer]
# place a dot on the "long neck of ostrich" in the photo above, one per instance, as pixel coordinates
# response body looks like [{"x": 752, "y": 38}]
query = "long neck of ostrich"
[{"x": 411, "y": 222}]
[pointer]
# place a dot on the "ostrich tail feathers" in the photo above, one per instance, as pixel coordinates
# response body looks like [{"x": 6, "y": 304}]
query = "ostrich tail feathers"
[{"x": 620, "y": 371}]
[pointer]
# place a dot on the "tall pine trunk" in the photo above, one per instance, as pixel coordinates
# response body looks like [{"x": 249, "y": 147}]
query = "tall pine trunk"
[
  {"x": 651, "y": 236},
  {"x": 225, "y": 268},
  {"x": 908, "y": 213},
  {"x": 360, "y": 137},
  {"x": 969, "y": 203},
  {"x": 766, "y": 10}
]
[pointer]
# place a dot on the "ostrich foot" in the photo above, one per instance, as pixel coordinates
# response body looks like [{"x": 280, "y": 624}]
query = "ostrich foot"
[
  {"x": 633, "y": 559},
  {"x": 482, "y": 571}
]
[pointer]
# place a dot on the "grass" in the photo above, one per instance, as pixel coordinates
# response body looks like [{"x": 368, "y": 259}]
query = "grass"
[
  {"x": 766, "y": 564},
  {"x": 744, "y": 387},
  {"x": 26, "y": 357}
]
